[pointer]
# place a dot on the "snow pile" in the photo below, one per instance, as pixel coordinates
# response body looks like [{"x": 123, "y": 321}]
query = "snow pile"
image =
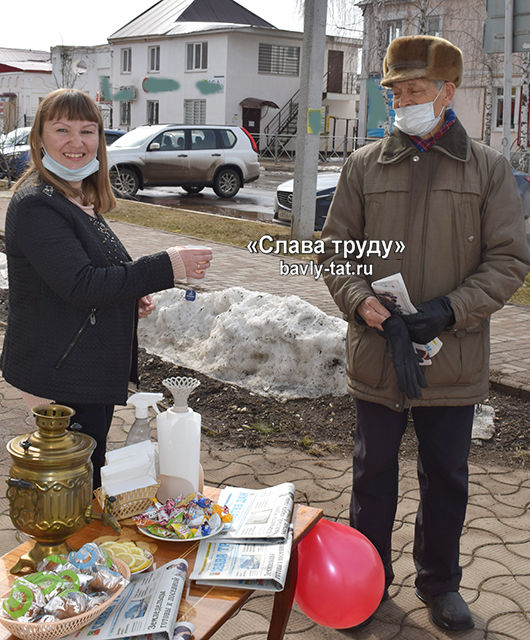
[{"x": 272, "y": 345}]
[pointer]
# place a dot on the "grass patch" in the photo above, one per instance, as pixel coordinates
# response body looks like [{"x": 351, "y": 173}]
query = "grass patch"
[
  {"x": 263, "y": 428},
  {"x": 206, "y": 226}
]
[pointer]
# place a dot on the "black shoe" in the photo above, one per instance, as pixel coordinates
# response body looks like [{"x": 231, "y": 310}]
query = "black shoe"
[
  {"x": 448, "y": 610},
  {"x": 366, "y": 622}
]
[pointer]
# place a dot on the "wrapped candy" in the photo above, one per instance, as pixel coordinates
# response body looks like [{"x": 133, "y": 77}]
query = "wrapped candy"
[
  {"x": 25, "y": 601},
  {"x": 193, "y": 516},
  {"x": 107, "y": 581},
  {"x": 51, "y": 563},
  {"x": 67, "y": 604},
  {"x": 84, "y": 580},
  {"x": 48, "y": 582}
]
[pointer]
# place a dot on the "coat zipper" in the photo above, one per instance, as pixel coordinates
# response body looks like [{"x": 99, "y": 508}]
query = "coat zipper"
[{"x": 91, "y": 317}]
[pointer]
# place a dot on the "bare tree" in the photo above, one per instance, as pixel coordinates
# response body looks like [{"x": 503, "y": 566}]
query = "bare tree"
[{"x": 68, "y": 73}]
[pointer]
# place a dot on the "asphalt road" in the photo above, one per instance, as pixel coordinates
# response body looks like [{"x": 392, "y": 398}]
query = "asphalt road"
[{"x": 255, "y": 201}]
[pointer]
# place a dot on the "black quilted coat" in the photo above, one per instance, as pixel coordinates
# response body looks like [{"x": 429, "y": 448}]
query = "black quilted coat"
[{"x": 73, "y": 292}]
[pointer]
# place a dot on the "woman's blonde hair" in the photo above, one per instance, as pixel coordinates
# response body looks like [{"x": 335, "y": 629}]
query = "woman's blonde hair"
[{"x": 71, "y": 104}]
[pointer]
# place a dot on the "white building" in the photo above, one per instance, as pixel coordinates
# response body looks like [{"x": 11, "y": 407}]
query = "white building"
[
  {"x": 177, "y": 62},
  {"x": 25, "y": 78}
]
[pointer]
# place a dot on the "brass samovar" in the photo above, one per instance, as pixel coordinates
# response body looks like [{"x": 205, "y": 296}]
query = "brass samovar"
[{"x": 50, "y": 483}]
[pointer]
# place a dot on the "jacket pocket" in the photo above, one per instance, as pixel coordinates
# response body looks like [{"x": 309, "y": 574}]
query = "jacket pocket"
[
  {"x": 90, "y": 319},
  {"x": 365, "y": 355},
  {"x": 461, "y": 360}
]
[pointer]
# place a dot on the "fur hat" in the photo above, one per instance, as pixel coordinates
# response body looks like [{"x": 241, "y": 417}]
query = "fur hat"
[{"x": 412, "y": 57}]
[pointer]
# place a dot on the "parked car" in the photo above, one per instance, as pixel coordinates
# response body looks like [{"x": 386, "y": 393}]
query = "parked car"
[
  {"x": 111, "y": 135},
  {"x": 188, "y": 156},
  {"x": 327, "y": 183},
  {"x": 15, "y": 150}
]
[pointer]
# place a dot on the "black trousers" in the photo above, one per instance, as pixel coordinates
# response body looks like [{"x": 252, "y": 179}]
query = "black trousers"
[
  {"x": 444, "y": 440},
  {"x": 95, "y": 421}
]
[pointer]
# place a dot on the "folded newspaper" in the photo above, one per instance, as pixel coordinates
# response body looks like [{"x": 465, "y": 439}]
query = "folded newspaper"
[
  {"x": 243, "y": 566},
  {"x": 393, "y": 294},
  {"x": 254, "y": 552},
  {"x": 259, "y": 515},
  {"x": 147, "y": 609}
]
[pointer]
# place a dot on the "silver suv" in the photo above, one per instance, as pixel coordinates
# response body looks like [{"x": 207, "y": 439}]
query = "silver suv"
[{"x": 188, "y": 156}]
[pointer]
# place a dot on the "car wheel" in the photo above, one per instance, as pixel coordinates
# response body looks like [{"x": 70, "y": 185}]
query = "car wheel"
[
  {"x": 227, "y": 183},
  {"x": 124, "y": 182},
  {"x": 192, "y": 188}
]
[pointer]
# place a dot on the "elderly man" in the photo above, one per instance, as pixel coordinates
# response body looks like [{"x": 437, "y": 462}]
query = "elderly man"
[{"x": 453, "y": 203}]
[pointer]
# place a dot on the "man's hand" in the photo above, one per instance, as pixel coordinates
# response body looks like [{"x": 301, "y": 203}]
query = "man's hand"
[
  {"x": 433, "y": 316},
  {"x": 409, "y": 375},
  {"x": 373, "y": 312}
]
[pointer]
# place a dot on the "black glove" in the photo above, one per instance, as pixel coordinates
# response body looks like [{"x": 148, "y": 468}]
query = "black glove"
[
  {"x": 433, "y": 317},
  {"x": 409, "y": 375}
]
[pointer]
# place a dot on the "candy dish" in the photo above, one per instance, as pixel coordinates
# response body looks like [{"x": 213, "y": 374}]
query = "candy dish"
[
  {"x": 61, "y": 628},
  {"x": 175, "y": 538}
]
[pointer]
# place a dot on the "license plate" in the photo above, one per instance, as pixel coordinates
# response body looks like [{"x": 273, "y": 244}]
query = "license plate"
[{"x": 283, "y": 214}]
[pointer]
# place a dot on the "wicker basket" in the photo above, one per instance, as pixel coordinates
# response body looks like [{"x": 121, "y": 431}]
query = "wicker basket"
[
  {"x": 130, "y": 503},
  {"x": 61, "y": 628}
]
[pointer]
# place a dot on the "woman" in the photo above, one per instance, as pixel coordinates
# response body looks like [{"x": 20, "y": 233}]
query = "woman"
[{"x": 74, "y": 293}]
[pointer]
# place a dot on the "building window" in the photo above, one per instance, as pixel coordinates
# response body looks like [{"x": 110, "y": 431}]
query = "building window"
[
  {"x": 126, "y": 60},
  {"x": 152, "y": 112},
  {"x": 277, "y": 59},
  {"x": 393, "y": 30},
  {"x": 499, "y": 110},
  {"x": 154, "y": 59},
  {"x": 196, "y": 56},
  {"x": 125, "y": 112},
  {"x": 433, "y": 28},
  {"x": 194, "y": 111}
]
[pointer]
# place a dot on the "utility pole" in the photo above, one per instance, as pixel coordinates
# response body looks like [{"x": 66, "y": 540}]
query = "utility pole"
[
  {"x": 507, "y": 100},
  {"x": 309, "y": 119}
]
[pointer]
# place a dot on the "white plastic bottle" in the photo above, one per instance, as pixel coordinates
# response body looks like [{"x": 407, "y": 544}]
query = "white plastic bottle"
[
  {"x": 140, "y": 430},
  {"x": 179, "y": 442}
]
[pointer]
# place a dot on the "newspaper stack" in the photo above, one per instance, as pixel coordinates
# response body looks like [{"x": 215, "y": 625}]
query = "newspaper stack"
[
  {"x": 392, "y": 293},
  {"x": 254, "y": 552},
  {"x": 146, "y": 609}
]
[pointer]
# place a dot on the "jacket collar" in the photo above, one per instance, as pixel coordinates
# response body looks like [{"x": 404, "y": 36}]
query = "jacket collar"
[{"x": 455, "y": 143}]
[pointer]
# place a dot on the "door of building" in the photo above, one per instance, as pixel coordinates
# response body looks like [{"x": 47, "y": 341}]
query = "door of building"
[
  {"x": 251, "y": 119},
  {"x": 335, "y": 67}
]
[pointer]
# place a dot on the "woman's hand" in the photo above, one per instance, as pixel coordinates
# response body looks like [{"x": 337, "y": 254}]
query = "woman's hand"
[
  {"x": 146, "y": 306},
  {"x": 196, "y": 260}
]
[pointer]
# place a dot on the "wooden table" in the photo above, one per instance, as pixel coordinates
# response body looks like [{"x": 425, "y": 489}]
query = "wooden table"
[{"x": 208, "y": 608}]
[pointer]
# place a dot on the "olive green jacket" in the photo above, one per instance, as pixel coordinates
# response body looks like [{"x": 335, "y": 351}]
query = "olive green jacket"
[{"x": 457, "y": 211}]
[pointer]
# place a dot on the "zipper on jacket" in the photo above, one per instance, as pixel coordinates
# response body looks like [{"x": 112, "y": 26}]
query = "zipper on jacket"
[{"x": 91, "y": 317}]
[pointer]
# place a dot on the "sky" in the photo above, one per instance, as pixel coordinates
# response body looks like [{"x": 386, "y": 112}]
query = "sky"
[{"x": 41, "y": 24}]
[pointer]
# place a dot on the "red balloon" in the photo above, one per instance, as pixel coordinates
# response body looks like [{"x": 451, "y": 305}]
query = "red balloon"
[{"x": 340, "y": 579}]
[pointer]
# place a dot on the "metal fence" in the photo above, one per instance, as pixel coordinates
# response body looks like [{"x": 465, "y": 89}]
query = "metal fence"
[{"x": 280, "y": 147}]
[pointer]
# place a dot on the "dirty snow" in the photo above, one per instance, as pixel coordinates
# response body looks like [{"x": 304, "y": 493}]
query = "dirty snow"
[{"x": 273, "y": 345}]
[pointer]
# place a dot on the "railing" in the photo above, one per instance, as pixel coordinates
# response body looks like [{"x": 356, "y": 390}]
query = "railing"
[
  {"x": 286, "y": 114},
  {"x": 283, "y": 147}
]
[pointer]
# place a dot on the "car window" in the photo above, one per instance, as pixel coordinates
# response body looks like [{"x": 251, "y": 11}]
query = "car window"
[
  {"x": 169, "y": 141},
  {"x": 203, "y": 139},
  {"x": 134, "y": 138},
  {"x": 226, "y": 138}
]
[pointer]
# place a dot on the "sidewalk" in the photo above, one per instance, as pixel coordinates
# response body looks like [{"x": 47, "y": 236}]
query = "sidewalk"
[{"x": 495, "y": 543}]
